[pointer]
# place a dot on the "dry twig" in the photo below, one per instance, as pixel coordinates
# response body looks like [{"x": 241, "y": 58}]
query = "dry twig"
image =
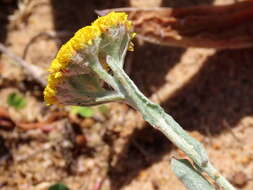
[
  {"x": 36, "y": 72},
  {"x": 227, "y": 125},
  {"x": 48, "y": 34},
  {"x": 221, "y": 27}
]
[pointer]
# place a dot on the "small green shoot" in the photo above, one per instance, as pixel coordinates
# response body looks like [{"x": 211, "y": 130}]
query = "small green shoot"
[
  {"x": 82, "y": 111},
  {"x": 16, "y": 100},
  {"x": 103, "y": 109},
  {"x": 58, "y": 186}
]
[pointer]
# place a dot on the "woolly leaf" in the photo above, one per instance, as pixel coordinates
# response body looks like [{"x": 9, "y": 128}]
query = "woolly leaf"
[{"x": 192, "y": 179}]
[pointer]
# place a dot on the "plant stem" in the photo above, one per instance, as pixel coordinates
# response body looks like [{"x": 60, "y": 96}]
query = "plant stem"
[
  {"x": 157, "y": 117},
  {"x": 219, "y": 179}
]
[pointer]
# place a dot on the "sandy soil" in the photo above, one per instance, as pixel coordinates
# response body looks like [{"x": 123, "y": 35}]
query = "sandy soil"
[{"x": 208, "y": 92}]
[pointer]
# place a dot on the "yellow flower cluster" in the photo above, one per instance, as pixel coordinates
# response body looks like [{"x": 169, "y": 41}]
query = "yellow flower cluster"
[{"x": 82, "y": 38}]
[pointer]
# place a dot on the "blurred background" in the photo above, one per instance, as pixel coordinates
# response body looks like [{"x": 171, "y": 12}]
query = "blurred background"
[{"x": 110, "y": 147}]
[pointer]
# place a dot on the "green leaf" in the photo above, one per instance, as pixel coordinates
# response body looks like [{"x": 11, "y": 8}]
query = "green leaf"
[
  {"x": 191, "y": 178},
  {"x": 82, "y": 111},
  {"x": 58, "y": 186},
  {"x": 103, "y": 108},
  {"x": 16, "y": 100}
]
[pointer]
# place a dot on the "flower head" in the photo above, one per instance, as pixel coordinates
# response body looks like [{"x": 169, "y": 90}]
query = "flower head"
[{"x": 72, "y": 60}]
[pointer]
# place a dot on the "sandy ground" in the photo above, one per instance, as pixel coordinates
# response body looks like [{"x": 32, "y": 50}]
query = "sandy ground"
[{"x": 208, "y": 92}]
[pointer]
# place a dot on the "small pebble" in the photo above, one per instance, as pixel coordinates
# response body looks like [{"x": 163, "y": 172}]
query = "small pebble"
[{"x": 239, "y": 179}]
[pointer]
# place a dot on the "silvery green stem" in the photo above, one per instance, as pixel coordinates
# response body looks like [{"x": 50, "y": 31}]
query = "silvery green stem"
[
  {"x": 114, "y": 46},
  {"x": 217, "y": 177},
  {"x": 105, "y": 98},
  {"x": 97, "y": 68},
  {"x": 157, "y": 117}
]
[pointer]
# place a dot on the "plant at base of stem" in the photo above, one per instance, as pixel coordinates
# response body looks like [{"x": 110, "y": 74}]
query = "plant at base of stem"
[{"x": 94, "y": 56}]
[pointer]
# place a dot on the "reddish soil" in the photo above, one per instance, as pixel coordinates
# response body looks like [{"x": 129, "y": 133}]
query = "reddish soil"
[{"x": 208, "y": 92}]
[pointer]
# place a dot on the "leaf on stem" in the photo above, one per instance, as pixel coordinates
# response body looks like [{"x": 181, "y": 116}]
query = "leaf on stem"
[
  {"x": 58, "y": 186},
  {"x": 191, "y": 178},
  {"x": 82, "y": 111}
]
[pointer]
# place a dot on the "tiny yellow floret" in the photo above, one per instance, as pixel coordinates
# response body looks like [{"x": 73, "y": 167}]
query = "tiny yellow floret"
[
  {"x": 112, "y": 19},
  {"x": 83, "y": 38}
]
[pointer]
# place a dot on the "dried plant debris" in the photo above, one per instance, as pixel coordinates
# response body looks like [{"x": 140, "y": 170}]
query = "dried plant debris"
[
  {"x": 206, "y": 26},
  {"x": 43, "y": 146}
]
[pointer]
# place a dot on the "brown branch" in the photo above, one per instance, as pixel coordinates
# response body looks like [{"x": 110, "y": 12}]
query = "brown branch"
[
  {"x": 221, "y": 27},
  {"x": 48, "y": 34},
  {"x": 36, "y": 72}
]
